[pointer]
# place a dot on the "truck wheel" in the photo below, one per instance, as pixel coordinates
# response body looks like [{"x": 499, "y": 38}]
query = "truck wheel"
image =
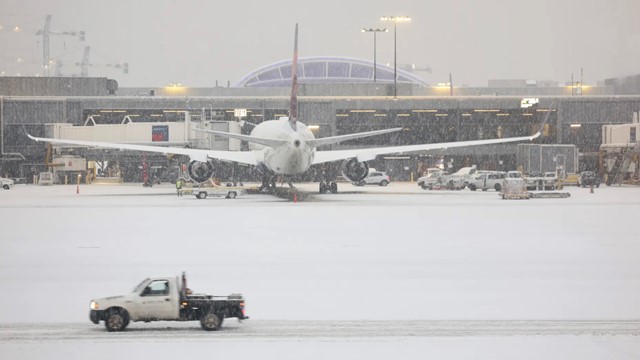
[
  {"x": 6, "y": 187},
  {"x": 211, "y": 322},
  {"x": 232, "y": 195},
  {"x": 202, "y": 195},
  {"x": 117, "y": 320},
  {"x": 333, "y": 187},
  {"x": 472, "y": 187},
  {"x": 498, "y": 187}
]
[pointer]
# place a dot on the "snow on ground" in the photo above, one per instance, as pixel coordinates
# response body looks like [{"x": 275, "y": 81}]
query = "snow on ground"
[{"x": 396, "y": 253}]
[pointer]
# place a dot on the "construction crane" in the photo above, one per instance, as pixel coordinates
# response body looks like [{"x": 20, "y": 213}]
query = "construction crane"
[
  {"x": 46, "y": 32},
  {"x": 84, "y": 65}
]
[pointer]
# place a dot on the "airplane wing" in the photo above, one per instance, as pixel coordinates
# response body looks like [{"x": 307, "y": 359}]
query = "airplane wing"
[
  {"x": 371, "y": 153},
  {"x": 314, "y": 142},
  {"x": 340, "y": 138},
  {"x": 244, "y": 157}
]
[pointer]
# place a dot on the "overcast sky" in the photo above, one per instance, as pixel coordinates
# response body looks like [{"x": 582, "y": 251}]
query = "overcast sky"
[{"x": 196, "y": 43}]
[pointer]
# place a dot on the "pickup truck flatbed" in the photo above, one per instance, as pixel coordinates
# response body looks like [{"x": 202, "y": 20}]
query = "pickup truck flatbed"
[{"x": 166, "y": 299}]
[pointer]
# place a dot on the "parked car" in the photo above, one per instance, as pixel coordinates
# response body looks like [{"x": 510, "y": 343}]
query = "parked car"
[
  {"x": 588, "y": 178},
  {"x": 375, "y": 178},
  {"x": 485, "y": 181},
  {"x": 6, "y": 183}
]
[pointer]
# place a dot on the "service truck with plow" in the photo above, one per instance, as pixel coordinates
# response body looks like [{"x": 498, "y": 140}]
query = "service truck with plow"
[{"x": 166, "y": 299}]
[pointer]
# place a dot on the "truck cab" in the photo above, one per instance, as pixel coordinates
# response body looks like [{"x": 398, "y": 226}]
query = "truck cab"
[
  {"x": 165, "y": 299},
  {"x": 460, "y": 179}
]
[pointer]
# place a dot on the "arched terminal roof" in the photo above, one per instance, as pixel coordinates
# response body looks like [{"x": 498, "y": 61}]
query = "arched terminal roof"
[{"x": 326, "y": 70}]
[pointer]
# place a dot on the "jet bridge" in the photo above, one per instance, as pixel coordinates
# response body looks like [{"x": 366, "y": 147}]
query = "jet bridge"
[{"x": 179, "y": 134}]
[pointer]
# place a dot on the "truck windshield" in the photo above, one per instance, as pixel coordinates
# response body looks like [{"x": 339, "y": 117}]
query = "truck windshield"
[{"x": 140, "y": 286}]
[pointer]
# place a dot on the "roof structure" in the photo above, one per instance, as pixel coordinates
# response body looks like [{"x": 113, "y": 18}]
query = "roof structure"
[{"x": 327, "y": 70}]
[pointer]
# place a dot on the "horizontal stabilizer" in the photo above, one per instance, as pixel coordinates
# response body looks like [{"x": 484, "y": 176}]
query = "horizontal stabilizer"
[
  {"x": 249, "y": 138},
  {"x": 338, "y": 139}
]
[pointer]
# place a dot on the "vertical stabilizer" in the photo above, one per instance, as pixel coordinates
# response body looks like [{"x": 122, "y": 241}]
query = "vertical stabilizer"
[{"x": 293, "y": 103}]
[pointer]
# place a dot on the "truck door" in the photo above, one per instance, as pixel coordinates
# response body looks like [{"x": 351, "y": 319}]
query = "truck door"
[{"x": 158, "y": 301}]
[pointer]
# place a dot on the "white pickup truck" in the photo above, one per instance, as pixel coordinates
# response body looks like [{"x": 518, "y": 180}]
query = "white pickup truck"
[
  {"x": 487, "y": 180},
  {"x": 166, "y": 299},
  {"x": 460, "y": 179},
  {"x": 545, "y": 182}
]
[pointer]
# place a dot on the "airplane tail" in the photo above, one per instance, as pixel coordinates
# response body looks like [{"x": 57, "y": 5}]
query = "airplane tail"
[{"x": 293, "y": 103}]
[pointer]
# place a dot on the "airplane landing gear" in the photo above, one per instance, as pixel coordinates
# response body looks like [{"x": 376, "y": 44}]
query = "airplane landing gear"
[
  {"x": 328, "y": 187},
  {"x": 268, "y": 184}
]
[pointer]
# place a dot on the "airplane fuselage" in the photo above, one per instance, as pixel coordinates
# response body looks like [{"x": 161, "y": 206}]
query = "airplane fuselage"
[{"x": 294, "y": 157}]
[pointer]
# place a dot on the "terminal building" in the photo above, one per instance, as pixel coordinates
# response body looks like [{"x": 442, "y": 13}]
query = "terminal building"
[{"x": 337, "y": 96}]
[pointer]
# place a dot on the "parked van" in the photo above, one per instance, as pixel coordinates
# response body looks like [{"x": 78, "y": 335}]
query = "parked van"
[{"x": 485, "y": 181}]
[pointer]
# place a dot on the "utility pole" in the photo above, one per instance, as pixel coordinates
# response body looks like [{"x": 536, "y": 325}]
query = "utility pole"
[{"x": 374, "y": 31}]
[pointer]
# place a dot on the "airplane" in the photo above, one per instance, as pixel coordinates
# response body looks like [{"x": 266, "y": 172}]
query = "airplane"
[{"x": 287, "y": 147}]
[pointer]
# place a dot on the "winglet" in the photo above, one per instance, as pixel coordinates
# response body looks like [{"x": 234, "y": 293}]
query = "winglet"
[
  {"x": 545, "y": 122},
  {"x": 293, "y": 103},
  {"x": 29, "y": 135}
]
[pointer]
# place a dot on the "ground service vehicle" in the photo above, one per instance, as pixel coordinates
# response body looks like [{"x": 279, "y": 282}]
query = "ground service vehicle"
[
  {"x": 550, "y": 180},
  {"x": 487, "y": 181},
  {"x": 546, "y": 181},
  {"x": 514, "y": 186},
  {"x": 432, "y": 180},
  {"x": 375, "y": 178},
  {"x": 588, "y": 178},
  {"x": 201, "y": 192},
  {"x": 45, "y": 178},
  {"x": 6, "y": 183},
  {"x": 166, "y": 299},
  {"x": 460, "y": 179}
]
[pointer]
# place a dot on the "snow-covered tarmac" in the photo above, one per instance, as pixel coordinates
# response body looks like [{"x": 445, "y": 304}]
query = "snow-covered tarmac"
[{"x": 369, "y": 273}]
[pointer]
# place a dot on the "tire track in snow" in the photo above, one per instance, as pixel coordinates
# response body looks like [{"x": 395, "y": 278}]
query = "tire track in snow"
[{"x": 279, "y": 330}]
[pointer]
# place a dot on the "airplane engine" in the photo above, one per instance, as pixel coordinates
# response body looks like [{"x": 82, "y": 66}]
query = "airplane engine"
[
  {"x": 355, "y": 171},
  {"x": 200, "y": 171}
]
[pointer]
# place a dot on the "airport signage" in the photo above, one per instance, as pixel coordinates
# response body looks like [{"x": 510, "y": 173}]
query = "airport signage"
[
  {"x": 240, "y": 113},
  {"x": 528, "y": 102}
]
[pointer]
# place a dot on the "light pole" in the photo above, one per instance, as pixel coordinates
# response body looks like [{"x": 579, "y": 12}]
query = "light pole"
[
  {"x": 375, "y": 32},
  {"x": 395, "y": 20}
]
